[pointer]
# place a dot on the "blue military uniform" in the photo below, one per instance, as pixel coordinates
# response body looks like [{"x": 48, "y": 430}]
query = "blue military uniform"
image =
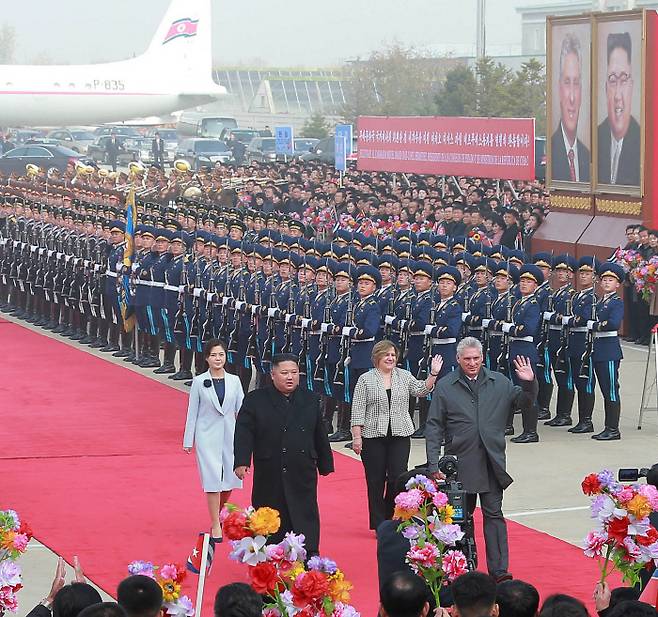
[{"x": 607, "y": 351}]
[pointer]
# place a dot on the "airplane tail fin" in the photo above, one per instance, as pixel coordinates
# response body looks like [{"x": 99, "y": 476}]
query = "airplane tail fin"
[{"x": 182, "y": 45}]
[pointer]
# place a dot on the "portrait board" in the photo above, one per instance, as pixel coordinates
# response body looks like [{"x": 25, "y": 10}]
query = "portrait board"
[
  {"x": 618, "y": 103},
  {"x": 569, "y": 103}
]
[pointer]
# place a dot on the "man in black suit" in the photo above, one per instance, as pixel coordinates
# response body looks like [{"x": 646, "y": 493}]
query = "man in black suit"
[
  {"x": 112, "y": 148},
  {"x": 158, "y": 150},
  {"x": 570, "y": 158},
  {"x": 619, "y": 134},
  {"x": 281, "y": 427}
]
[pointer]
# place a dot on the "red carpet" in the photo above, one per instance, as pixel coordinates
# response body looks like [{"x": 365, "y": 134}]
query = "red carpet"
[{"x": 92, "y": 459}]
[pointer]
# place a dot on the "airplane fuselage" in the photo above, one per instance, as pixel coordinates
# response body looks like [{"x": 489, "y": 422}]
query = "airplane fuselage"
[{"x": 60, "y": 95}]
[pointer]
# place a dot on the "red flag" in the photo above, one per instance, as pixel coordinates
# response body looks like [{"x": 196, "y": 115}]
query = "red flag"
[{"x": 194, "y": 560}]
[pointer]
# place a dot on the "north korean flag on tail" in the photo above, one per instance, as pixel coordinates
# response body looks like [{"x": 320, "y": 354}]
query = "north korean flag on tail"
[
  {"x": 194, "y": 560},
  {"x": 181, "y": 27},
  {"x": 650, "y": 592}
]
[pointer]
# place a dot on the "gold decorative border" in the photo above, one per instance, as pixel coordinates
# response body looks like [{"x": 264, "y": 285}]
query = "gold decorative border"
[
  {"x": 573, "y": 202},
  {"x": 617, "y": 206}
]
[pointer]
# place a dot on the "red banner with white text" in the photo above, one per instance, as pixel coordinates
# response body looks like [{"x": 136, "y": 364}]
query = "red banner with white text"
[{"x": 479, "y": 147}]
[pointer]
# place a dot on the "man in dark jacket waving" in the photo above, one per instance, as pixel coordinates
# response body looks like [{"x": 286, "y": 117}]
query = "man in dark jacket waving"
[
  {"x": 470, "y": 408},
  {"x": 281, "y": 427}
]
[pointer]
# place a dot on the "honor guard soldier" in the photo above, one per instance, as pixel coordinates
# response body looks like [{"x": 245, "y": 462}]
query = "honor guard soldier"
[
  {"x": 522, "y": 332},
  {"x": 558, "y": 339},
  {"x": 607, "y": 351},
  {"x": 174, "y": 304},
  {"x": 479, "y": 306},
  {"x": 341, "y": 314},
  {"x": 581, "y": 344},
  {"x": 140, "y": 275},
  {"x": 386, "y": 294},
  {"x": 110, "y": 295},
  {"x": 284, "y": 295},
  {"x": 505, "y": 275},
  {"x": 357, "y": 340},
  {"x": 398, "y": 322},
  {"x": 544, "y": 295},
  {"x": 420, "y": 343},
  {"x": 447, "y": 324}
]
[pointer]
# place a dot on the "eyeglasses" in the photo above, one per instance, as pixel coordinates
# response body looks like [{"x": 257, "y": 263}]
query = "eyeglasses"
[{"x": 621, "y": 79}]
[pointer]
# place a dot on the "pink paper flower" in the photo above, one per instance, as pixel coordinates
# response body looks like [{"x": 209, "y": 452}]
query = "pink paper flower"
[
  {"x": 594, "y": 543},
  {"x": 454, "y": 564},
  {"x": 409, "y": 500},
  {"x": 425, "y": 557},
  {"x": 20, "y": 542},
  {"x": 439, "y": 499},
  {"x": 169, "y": 570}
]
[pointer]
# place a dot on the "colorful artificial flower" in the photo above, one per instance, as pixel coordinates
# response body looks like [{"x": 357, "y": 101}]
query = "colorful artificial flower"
[
  {"x": 170, "y": 590},
  {"x": 624, "y": 538},
  {"x": 169, "y": 577},
  {"x": 263, "y": 578},
  {"x": 264, "y": 521},
  {"x": 235, "y": 526}
]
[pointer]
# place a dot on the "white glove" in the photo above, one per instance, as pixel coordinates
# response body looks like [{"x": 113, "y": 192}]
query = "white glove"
[
  {"x": 134, "y": 267},
  {"x": 210, "y": 296},
  {"x": 428, "y": 329},
  {"x": 225, "y": 299},
  {"x": 565, "y": 320},
  {"x": 197, "y": 292},
  {"x": 118, "y": 267},
  {"x": 306, "y": 323},
  {"x": 59, "y": 255},
  {"x": 324, "y": 327},
  {"x": 290, "y": 317},
  {"x": 50, "y": 253},
  {"x": 42, "y": 251},
  {"x": 86, "y": 263},
  {"x": 181, "y": 288},
  {"x": 97, "y": 267},
  {"x": 507, "y": 327},
  {"x": 485, "y": 323},
  {"x": 67, "y": 258},
  {"x": 465, "y": 315},
  {"x": 254, "y": 309},
  {"x": 239, "y": 304},
  {"x": 389, "y": 319},
  {"x": 548, "y": 315},
  {"x": 33, "y": 248},
  {"x": 403, "y": 324},
  {"x": 271, "y": 312},
  {"x": 590, "y": 324},
  {"x": 348, "y": 330}
]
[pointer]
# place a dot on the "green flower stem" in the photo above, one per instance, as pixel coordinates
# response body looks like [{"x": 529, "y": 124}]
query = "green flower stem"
[{"x": 604, "y": 572}]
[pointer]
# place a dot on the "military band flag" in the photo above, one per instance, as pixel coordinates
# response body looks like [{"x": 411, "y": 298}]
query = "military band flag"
[{"x": 125, "y": 292}]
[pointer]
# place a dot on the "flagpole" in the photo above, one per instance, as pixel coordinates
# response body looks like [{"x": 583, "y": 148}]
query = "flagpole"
[{"x": 202, "y": 575}]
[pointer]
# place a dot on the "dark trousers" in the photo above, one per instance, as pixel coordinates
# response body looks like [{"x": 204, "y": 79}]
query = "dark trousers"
[
  {"x": 384, "y": 460},
  {"x": 495, "y": 528}
]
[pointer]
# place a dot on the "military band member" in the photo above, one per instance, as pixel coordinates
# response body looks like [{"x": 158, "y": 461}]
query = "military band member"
[{"x": 110, "y": 295}]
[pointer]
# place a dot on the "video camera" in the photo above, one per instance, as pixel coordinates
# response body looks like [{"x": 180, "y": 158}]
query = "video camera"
[
  {"x": 453, "y": 488},
  {"x": 633, "y": 474}
]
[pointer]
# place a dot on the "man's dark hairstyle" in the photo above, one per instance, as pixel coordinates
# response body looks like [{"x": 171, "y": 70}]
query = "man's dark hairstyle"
[
  {"x": 103, "y": 609},
  {"x": 284, "y": 357},
  {"x": 632, "y": 608},
  {"x": 562, "y": 605},
  {"x": 71, "y": 599},
  {"x": 237, "y": 600},
  {"x": 621, "y": 594},
  {"x": 630, "y": 227},
  {"x": 403, "y": 594},
  {"x": 140, "y": 596},
  {"x": 621, "y": 40},
  {"x": 474, "y": 593},
  {"x": 517, "y": 599}
]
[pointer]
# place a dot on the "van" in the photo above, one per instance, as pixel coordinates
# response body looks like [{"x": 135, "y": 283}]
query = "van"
[{"x": 194, "y": 124}]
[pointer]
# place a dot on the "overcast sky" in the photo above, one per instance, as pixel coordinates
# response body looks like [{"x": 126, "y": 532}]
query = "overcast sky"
[{"x": 280, "y": 32}]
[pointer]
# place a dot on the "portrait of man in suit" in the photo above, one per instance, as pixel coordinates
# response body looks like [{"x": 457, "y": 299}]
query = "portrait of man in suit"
[
  {"x": 570, "y": 158},
  {"x": 619, "y": 134}
]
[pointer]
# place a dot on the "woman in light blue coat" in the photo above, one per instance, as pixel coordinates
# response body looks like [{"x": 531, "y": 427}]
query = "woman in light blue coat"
[{"x": 215, "y": 399}]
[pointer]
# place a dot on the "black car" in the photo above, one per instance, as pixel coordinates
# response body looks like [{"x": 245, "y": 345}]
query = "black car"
[
  {"x": 46, "y": 156},
  {"x": 203, "y": 152}
]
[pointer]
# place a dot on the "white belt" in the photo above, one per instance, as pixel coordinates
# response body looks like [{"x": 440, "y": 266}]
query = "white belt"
[
  {"x": 171, "y": 288},
  {"x": 110, "y": 273},
  {"x": 583, "y": 329},
  {"x": 443, "y": 341},
  {"x": 475, "y": 327},
  {"x": 605, "y": 334},
  {"x": 416, "y": 334},
  {"x": 495, "y": 333},
  {"x": 157, "y": 284},
  {"x": 527, "y": 339},
  {"x": 555, "y": 327},
  {"x": 363, "y": 340}
]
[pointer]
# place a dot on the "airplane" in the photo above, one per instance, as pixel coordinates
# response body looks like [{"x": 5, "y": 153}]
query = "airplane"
[{"x": 174, "y": 73}]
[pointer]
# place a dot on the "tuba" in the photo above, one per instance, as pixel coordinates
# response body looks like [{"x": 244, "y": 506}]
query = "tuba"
[
  {"x": 32, "y": 170},
  {"x": 182, "y": 166}
]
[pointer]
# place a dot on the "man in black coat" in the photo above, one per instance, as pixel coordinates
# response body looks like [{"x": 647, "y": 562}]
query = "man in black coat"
[
  {"x": 619, "y": 134},
  {"x": 281, "y": 427},
  {"x": 112, "y": 148},
  {"x": 158, "y": 150}
]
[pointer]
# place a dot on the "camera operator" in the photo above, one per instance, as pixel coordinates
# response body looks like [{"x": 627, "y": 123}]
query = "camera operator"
[{"x": 469, "y": 408}]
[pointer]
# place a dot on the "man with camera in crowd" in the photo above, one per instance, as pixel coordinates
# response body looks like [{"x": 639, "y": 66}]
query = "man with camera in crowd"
[{"x": 469, "y": 409}]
